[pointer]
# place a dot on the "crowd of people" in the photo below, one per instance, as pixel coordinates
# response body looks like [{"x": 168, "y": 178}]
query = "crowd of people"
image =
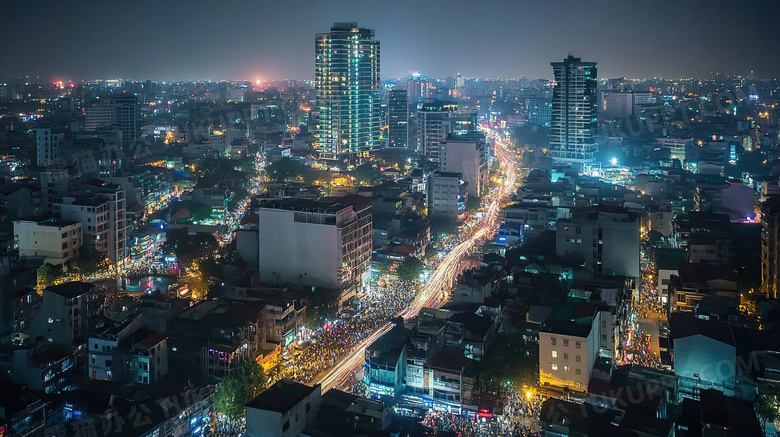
[
  {"x": 335, "y": 339},
  {"x": 521, "y": 412},
  {"x": 649, "y": 309}
]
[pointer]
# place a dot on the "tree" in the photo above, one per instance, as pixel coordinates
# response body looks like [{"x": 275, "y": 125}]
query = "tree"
[
  {"x": 285, "y": 169},
  {"x": 189, "y": 248},
  {"x": 768, "y": 406},
  {"x": 199, "y": 211},
  {"x": 410, "y": 269},
  {"x": 472, "y": 204},
  {"x": 238, "y": 388},
  {"x": 88, "y": 262},
  {"x": 48, "y": 273},
  {"x": 367, "y": 174}
]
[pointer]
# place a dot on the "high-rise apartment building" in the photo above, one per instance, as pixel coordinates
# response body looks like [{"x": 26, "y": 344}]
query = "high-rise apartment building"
[
  {"x": 93, "y": 214},
  {"x": 573, "y": 123},
  {"x": 125, "y": 117},
  {"x": 346, "y": 85},
  {"x": 98, "y": 116},
  {"x": 436, "y": 120},
  {"x": 398, "y": 118},
  {"x": 121, "y": 111},
  {"x": 49, "y": 146}
]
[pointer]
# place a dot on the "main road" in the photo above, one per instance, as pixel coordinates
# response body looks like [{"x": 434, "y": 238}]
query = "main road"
[{"x": 431, "y": 294}]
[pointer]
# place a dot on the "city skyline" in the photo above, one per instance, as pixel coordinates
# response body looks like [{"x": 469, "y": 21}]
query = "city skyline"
[{"x": 269, "y": 42}]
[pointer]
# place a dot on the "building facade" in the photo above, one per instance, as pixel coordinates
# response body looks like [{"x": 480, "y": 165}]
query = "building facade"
[
  {"x": 93, "y": 214},
  {"x": 347, "y": 91},
  {"x": 567, "y": 352},
  {"x": 447, "y": 196},
  {"x": 605, "y": 237}
]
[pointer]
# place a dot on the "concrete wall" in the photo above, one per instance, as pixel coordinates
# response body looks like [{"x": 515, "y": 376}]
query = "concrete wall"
[{"x": 307, "y": 253}]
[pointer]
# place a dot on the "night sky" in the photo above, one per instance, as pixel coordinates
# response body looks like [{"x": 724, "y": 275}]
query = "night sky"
[{"x": 273, "y": 39}]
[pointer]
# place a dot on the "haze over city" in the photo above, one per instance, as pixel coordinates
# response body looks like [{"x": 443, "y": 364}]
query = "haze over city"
[{"x": 267, "y": 40}]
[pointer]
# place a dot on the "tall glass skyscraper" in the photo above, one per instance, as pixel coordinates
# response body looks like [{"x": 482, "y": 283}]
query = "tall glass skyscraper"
[
  {"x": 573, "y": 123},
  {"x": 398, "y": 118},
  {"x": 347, "y": 89}
]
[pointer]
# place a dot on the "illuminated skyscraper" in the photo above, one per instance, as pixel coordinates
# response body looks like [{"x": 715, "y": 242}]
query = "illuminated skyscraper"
[
  {"x": 347, "y": 89},
  {"x": 398, "y": 118},
  {"x": 573, "y": 124}
]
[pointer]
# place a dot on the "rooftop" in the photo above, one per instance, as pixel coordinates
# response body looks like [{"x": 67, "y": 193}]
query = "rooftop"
[
  {"x": 305, "y": 205},
  {"x": 449, "y": 358},
  {"x": 684, "y": 324},
  {"x": 282, "y": 396},
  {"x": 701, "y": 274},
  {"x": 71, "y": 289},
  {"x": 387, "y": 348}
]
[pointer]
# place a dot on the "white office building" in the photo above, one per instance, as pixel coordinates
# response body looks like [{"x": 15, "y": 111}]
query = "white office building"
[
  {"x": 465, "y": 154},
  {"x": 446, "y": 196},
  {"x": 317, "y": 243}
]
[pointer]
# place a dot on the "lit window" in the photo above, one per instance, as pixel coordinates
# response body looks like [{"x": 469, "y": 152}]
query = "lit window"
[
  {"x": 555, "y": 354},
  {"x": 555, "y": 366},
  {"x": 565, "y": 368}
]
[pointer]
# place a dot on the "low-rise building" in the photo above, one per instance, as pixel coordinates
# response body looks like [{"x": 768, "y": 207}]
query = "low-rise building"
[
  {"x": 284, "y": 409},
  {"x": 446, "y": 196},
  {"x": 569, "y": 342},
  {"x": 317, "y": 243},
  {"x": 703, "y": 354},
  {"x": 63, "y": 315},
  {"x": 53, "y": 240}
]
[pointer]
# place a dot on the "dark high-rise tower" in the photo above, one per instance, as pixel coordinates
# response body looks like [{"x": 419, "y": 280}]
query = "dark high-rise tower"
[
  {"x": 398, "y": 118},
  {"x": 573, "y": 123},
  {"x": 346, "y": 84},
  {"x": 125, "y": 117}
]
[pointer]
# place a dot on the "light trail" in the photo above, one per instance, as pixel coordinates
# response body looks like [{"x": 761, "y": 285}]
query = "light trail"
[{"x": 431, "y": 293}]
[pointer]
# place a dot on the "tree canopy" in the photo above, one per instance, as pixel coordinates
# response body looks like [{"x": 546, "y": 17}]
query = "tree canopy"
[
  {"x": 367, "y": 174},
  {"x": 48, "y": 273},
  {"x": 285, "y": 169},
  {"x": 238, "y": 388},
  {"x": 767, "y": 406},
  {"x": 189, "y": 248},
  {"x": 88, "y": 262},
  {"x": 410, "y": 269}
]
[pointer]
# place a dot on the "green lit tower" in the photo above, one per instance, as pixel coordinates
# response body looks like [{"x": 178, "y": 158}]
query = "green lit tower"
[
  {"x": 346, "y": 84},
  {"x": 573, "y": 123}
]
